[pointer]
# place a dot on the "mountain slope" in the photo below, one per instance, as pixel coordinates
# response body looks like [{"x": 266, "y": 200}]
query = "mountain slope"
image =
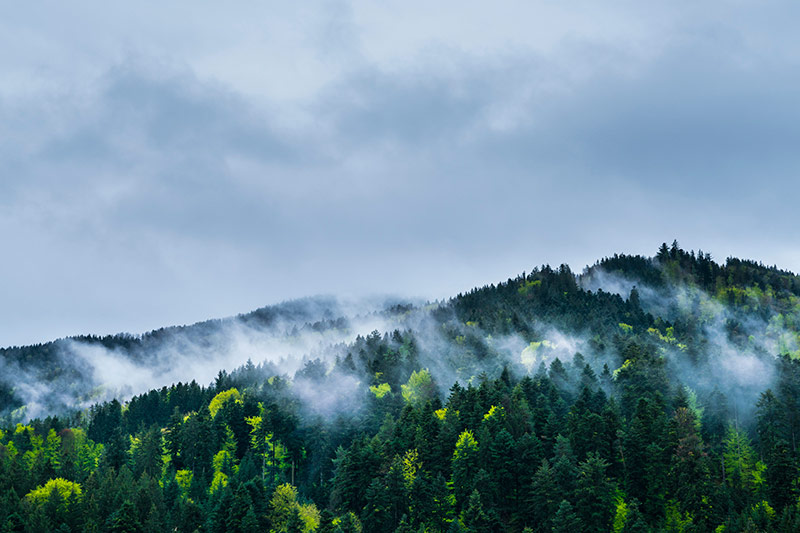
[{"x": 654, "y": 393}]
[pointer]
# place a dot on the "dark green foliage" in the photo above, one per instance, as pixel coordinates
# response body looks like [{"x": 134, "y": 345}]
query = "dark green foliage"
[
  {"x": 595, "y": 494},
  {"x": 474, "y": 517},
  {"x": 566, "y": 520},
  {"x": 690, "y": 469},
  {"x": 542, "y": 502},
  {"x": 147, "y": 454},
  {"x": 635, "y": 425},
  {"x": 348, "y": 523},
  {"x": 635, "y": 521},
  {"x": 124, "y": 519},
  {"x": 773, "y": 433}
]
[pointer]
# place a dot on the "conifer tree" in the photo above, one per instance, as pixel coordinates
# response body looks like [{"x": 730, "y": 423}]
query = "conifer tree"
[
  {"x": 595, "y": 494},
  {"x": 125, "y": 520},
  {"x": 566, "y": 520}
]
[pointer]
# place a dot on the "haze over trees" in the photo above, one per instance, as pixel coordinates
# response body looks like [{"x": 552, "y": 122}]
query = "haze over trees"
[{"x": 645, "y": 394}]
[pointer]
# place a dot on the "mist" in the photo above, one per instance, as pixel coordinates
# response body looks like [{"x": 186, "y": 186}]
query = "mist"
[
  {"x": 282, "y": 338},
  {"x": 738, "y": 348},
  {"x": 305, "y": 341}
]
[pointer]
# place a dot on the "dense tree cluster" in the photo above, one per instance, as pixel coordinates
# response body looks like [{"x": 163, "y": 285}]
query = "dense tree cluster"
[{"x": 630, "y": 434}]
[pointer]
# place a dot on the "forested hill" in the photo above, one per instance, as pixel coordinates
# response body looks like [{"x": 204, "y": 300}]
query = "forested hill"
[
  {"x": 50, "y": 378},
  {"x": 644, "y": 394}
]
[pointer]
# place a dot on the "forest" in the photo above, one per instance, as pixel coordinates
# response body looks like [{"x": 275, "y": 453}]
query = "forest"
[{"x": 643, "y": 394}]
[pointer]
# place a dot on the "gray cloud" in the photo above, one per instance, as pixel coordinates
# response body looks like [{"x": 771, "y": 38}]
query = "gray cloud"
[{"x": 182, "y": 173}]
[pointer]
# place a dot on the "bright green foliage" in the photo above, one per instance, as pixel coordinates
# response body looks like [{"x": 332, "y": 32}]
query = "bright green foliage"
[
  {"x": 495, "y": 413},
  {"x": 281, "y": 505},
  {"x": 678, "y": 522},
  {"x": 223, "y": 462},
  {"x": 184, "y": 480},
  {"x": 411, "y": 465},
  {"x": 620, "y": 514},
  {"x": 465, "y": 464},
  {"x": 219, "y": 400},
  {"x": 420, "y": 388},
  {"x": 759, "y": 477},
  {"x": 286, "y": 514},
  {"x": 219, "y": 481},
  {"x": 64, "y": 488},
  {"x": 87, "y": 453},
  {"x": 272, "y": 455},
  {"x": 310, "y": 516},
  {"x": 531, "y": 356},
  {"x": 740, "y": 460},
  {"x": 764, "y": 508},
  {"x": 527, "y": 287},
  {"x": 52, "y": 448},
  {"x": 694, "y": 406},
  {"x": 380, "y": 390},
  {"x": 347, "y": 523}
]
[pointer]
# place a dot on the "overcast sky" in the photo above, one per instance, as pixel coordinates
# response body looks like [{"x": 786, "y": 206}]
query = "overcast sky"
[{"x": 164, "y": 163}]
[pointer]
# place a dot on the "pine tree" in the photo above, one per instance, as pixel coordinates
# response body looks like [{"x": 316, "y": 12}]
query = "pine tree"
[
  {"x": 595, "y": 494},
  {"x": 565, "y": 471},
  {"x": 250, "y": 522},
  {"x": 473, "y": 516},
  {"x": 377, "y": 514},
  {"x": 634, "y": 521},
  {"x": 541, "y": 500},
  {"x": 465, "y": 466},
  {"x": 644, "y": 458},
  {"x": 155, "y": 521},
  {"x": 124, "y": 520},
  {"x": 147, "y": 454},
  {"x": 502, "y": 485},
  {"x": 781, "y": 468},
  {"x": 689, "y": 468},
  {"x": 565, "y": 520}
]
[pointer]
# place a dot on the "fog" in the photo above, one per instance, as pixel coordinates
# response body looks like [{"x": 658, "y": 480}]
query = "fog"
[
  {"x": 733, "y": 352},
  {"x": 294, "y": 333},
  {"x": 738, "y": 347}
]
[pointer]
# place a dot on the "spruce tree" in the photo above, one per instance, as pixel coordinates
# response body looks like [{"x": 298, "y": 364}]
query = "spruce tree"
[{"x": 566, "y": 520}]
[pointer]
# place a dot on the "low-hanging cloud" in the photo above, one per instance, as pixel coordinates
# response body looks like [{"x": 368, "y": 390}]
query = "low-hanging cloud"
[
  {"x": 738, "y": 349},
  {"x": 92, "y": 371}
]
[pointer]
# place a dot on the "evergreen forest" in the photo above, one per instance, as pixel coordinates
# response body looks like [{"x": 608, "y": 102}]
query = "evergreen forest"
[{"x": 643, "y": 394}]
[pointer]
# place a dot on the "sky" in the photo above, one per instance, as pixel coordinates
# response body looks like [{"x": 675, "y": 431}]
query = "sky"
[{"x": 168, "y": 163}]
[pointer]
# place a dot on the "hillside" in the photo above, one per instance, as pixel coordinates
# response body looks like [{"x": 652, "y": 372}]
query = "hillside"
[{"x": 643, "y": 394}]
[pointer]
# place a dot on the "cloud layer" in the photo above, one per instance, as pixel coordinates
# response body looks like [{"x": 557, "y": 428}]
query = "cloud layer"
[{"x": 168, "y": 164}]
